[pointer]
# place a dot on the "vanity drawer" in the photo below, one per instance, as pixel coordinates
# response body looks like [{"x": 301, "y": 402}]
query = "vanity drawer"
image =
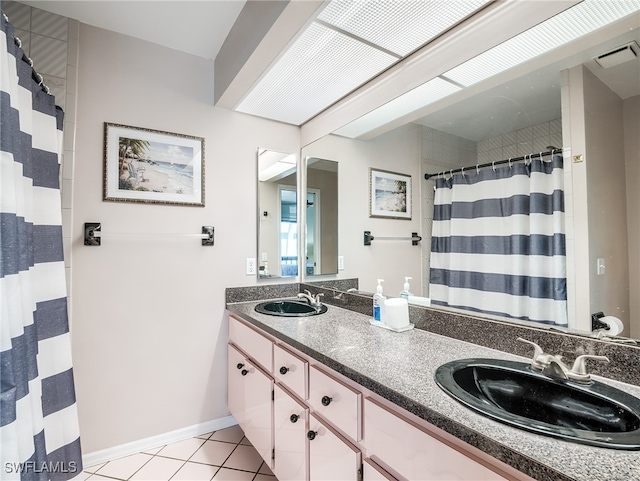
[
  {"x": 291, "y": 371},
  {"x": 373, "y": 472},
  {"x": 413, "y": 452},
  {"x": 336, "y": 402},
  {"x": 258, "y": 347}
]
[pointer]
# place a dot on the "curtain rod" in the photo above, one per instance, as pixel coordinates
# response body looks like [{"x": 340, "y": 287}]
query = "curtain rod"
[{"x": 553, "y": 150}]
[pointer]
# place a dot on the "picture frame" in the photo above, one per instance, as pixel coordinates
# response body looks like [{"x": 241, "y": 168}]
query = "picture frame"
[
  {"x": 389, "y": 194},
  {"x": 152, "y": 166}
]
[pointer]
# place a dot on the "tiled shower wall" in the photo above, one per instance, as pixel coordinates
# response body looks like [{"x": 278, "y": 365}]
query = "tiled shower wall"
[
  {"x": 51, "y": 41},
  {"x": 441, "y": 151}
]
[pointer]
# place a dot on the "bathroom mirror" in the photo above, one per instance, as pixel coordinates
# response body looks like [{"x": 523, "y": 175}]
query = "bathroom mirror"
[
  {"x": 321, "y": 240},
  {"x": 481, "y": 125},
  {"x": 277, "y": 253}
]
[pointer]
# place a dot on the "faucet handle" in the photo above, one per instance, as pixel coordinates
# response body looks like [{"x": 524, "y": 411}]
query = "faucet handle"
[
  {"x": 537, "y": 353},
  {"x": 579, "y": 365},
  {"x": 537, "y": 349}
]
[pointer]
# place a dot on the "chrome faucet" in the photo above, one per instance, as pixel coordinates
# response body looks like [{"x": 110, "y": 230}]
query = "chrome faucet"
[
  {"x": 313, "y": 301},
  {"x": 553, "y": 366}
]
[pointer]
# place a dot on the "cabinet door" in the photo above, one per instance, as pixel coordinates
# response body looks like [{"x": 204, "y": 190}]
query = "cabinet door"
[
  {"x": 331, "y": 456},
  {"x": 251, "y": 342},
  {"x": 290, "y": 433},
  {"x": 414, "y": 453},
  {"x": 250, "y": 402},
  {"x": 290, "y": 370},
  {"x": 336, "y": 402},
  {"x": 373, "y": 472}
]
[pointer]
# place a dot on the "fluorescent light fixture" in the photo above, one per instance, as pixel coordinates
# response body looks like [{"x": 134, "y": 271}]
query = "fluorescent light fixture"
[
  {"x": 275, "y": 165},
  {"x": 321, "y": 66},
  {"x": 397, "y": 26},
  {"x": 554, "y": 32},
  {"x": 427, "y": 93}
]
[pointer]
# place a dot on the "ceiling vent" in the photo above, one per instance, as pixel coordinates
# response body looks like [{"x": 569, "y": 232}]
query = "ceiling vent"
[{"x": 618, "y": 55}]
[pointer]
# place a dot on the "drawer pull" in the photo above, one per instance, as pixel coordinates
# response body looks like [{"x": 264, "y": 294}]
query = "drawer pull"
[
  {"x": 244, "y": 372},
  {"x": 326, "y": 400},
  {"x": 284, "y": 370},
  {"x": 293, "y": 418},
  {"x": 311, "y": 435},
  {"x": 240, "y": 365}
]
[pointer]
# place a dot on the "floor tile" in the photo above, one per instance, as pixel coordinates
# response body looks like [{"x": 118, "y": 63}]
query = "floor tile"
[
  {"x": 182, "y": 449},
  {"x": 94, "y": 468},
  {"x": 245, "y": 458},
  {"x": 204, "y": 436},
  {"x": 264, "y": 469},
  {"x": 152, "y": 450},
  {"x": 246, "y": 442},
  {"x": 213, "y": 452},
  {"x": 97, "y": 477},
  {"x": 229, "y": 435},
  {"x": 123, "y": 468},
  {"x": 264, "y": 477},
  {"x": 195, "y": 472},
  {"x": 158, "y": 469},
  {"x": 233, "y": 475}
]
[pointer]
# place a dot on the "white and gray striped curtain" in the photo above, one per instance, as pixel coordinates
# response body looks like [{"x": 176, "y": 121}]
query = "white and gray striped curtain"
[
  {"x": 498, "y": 242},
  {"x": 39, "y": 433}
]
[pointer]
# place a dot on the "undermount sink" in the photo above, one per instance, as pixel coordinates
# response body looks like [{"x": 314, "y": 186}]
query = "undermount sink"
[
  {"x": 511, "y": 392},
  {"x": 290, "y": 309}
]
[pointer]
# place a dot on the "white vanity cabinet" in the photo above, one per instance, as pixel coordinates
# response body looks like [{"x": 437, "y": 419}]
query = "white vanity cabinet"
[
  {"x": 414, "y": 453},
  {"x": 291, "y": 422},
  {"x": 309, "y": 422},
  {"x": 250, "y": 393},
  {"x": 331, "y": 456}
]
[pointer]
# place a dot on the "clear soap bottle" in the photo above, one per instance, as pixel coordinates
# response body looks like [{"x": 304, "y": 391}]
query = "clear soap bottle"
[
  {"x": 405, "y": 293},
  {"x": 378, "y": 303}
]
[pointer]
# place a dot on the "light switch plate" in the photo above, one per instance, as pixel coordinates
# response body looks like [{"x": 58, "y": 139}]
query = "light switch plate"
[{"x": 340, "y": 263}]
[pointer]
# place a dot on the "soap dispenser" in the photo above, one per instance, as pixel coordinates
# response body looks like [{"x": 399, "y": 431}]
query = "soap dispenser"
[
  {"x": 405, "y": 290},
  {"x": 378, "y": 303}
]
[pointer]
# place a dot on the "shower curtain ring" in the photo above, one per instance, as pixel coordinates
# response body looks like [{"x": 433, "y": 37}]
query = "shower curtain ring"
[
  {"x": 451, "y": 174},
  {"x": 493, "y": 165},
  {"x": 509, "y": 162},
  {"x": 463, "y": 171},
  {"x": 477, "y": 169}
]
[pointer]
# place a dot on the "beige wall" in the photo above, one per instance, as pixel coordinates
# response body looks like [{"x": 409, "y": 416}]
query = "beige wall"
[
  {"x": 631, "y": 113},
  {"x": 148, "y": 337},
  {"x": 607, "y": 203},
  {"x": 327, "y": 184},
  {"x": 397, "y": 151}
]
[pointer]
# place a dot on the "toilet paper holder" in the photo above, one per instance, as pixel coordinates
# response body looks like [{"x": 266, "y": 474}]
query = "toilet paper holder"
[{"x": 596, "y": 323}]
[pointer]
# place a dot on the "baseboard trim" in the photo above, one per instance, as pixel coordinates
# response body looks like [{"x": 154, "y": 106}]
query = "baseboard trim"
[{"x": 109, "y": 454}]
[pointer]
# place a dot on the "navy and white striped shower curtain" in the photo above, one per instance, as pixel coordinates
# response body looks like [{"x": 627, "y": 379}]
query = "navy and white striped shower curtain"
[
  {"x": 39, "y": 434},
  {"x": 498, "y": 242}
]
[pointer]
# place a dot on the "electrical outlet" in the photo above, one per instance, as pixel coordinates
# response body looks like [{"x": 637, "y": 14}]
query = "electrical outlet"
[
  {"x": 264, "y": 257},
  {"x": 600, "y": 266},
  {"x": 251, "y": 266},
  {"x": 340, "y": 263}
]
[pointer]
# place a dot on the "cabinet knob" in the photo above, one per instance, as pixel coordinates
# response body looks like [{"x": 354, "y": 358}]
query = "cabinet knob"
[
  {"x": 311, "y": 435},
  {"x": 326, "y": 400},
  {"x": 240, "y": 365},
  {"x": 293, "y": 418},
  {"x": 244, "y": 372},
  {"x": 284, "y": 370}
]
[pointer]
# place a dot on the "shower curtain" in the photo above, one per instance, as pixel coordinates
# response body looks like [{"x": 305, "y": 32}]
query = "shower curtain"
[
  {"x": 39, "y": 434},
  {"x": 498, "y": 242}
]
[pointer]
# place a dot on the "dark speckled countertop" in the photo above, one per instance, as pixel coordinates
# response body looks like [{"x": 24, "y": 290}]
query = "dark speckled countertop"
[{"x": 400, "y": 367}]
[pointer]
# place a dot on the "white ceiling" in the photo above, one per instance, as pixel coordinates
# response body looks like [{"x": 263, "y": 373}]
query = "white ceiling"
[{"x": 195, "y": 27}]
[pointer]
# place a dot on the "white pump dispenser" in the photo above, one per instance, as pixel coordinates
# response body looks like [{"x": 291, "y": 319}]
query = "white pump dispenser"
[
  {"x": 405, "y": 290},
  {"x": 378, "y": 303}
]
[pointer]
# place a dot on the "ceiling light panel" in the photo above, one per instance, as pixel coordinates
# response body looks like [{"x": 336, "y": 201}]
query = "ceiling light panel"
[
  {"x": 319, "y": 68},
  {"x": 398, "y": 26},
  {"x": 425, "y": 94},
  {"x": 554, "y": 32}
]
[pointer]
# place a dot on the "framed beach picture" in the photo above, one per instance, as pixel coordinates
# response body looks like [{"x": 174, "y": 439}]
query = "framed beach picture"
[
  {"x": 150, "y": 166},
  {"x": 389, "y": 194}
]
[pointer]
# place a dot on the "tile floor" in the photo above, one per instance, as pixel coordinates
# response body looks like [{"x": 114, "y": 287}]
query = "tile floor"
[{"x": 224, "y": 455}]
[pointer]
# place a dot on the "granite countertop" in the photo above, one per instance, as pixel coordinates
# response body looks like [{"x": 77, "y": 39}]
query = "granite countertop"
[{"x": 400, "y": 367}]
